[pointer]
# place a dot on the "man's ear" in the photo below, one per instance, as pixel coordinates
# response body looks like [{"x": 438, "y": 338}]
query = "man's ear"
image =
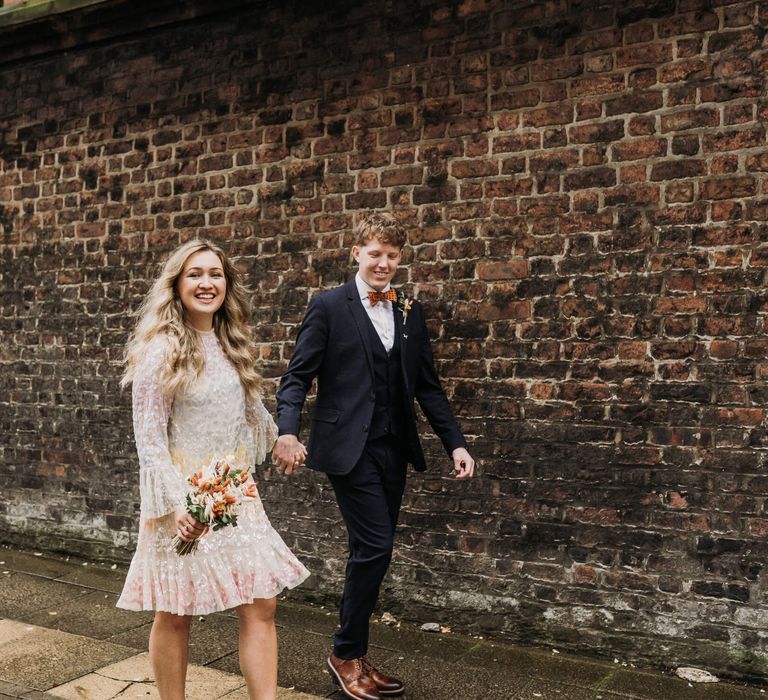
[{"x": 356, "y": 253}]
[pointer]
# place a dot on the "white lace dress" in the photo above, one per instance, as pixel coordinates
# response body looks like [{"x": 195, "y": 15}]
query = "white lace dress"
[{"x": 233, "y": 565}]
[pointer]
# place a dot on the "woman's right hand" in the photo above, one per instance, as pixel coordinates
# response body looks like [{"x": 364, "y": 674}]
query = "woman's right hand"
[{"x": 188, "y": 528}]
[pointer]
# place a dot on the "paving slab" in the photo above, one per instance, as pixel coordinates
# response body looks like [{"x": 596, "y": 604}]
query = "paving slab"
[
  {"x": 46, "y": 658},
  {"x": 301, "y": 661},
  {"x": 282, "y": 694},
  {"x": 102, "y": 578},
  {"x": 651, "y": 686},
  {"x": 92, "y": 686},
  {"x": 135, "y": 674},
  {"x": 213, "y": 637},
  {"x": 413, "y": 641},
  {"x": 25, "y": 595},
  {"x": 11, "y": 631},
  {"x": 427, "y": 680},
  {"x": 567, "y": 669},
  {"x": 33, "y": 563},
  {"x": 15, "y": 691},
  {"x": 313, "y": 619},
  {"x": 93, "y": 614}
]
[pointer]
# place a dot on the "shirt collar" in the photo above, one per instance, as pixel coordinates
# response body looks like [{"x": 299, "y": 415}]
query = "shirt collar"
[{"x": 363, "y": 287}]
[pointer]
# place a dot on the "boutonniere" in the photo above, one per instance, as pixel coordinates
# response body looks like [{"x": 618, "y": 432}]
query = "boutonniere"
[{"x": 404, "y": 303}]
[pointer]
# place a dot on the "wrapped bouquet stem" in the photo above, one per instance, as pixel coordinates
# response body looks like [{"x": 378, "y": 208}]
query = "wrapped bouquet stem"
[{"x": 216, "y": 492}]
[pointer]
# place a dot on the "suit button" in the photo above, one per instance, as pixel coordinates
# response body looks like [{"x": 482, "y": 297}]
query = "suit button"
[{"x": 365, "y": 428}]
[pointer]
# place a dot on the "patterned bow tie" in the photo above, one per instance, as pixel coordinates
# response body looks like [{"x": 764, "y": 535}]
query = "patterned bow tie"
[{"x": 376, "y": 297}]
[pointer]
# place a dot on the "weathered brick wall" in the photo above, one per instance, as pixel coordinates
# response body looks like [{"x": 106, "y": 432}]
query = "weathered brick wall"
[{"x": 586, "y": 187}]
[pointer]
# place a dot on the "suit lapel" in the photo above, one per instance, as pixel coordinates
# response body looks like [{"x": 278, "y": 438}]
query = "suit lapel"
[
  {"x": 359, "y": 316},
  {"x": 402, "y": 334},
  {"x": 400, "y": 328}
]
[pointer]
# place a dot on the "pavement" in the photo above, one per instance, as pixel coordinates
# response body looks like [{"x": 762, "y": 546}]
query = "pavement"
[{"x": 61, "y": 636}]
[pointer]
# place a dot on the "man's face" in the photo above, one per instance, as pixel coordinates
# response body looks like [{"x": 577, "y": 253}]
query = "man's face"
[{"x": 377, "y": 262}]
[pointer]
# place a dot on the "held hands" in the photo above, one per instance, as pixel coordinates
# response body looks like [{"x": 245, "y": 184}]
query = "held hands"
[
  {"x": 189, "y": 528},
  {"x": 288, "y": 454},
  {"x": 463, "y": 464}
]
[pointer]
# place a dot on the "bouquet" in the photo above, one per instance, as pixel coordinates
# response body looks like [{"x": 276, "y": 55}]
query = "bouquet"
[{"x": 217, "y": 491}]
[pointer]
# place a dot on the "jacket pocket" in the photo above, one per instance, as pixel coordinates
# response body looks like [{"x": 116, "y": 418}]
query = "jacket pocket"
[{"x": 326, "y": 415}]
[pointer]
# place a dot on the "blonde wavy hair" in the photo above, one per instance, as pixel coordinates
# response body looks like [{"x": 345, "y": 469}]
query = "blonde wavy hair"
[{"x": 162, "y": 314}]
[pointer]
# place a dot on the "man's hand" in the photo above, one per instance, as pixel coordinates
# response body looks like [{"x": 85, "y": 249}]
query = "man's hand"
[
  {"x": 288, "y": 454},
  {"x": 189, "y": 528},
  {"x": 463, "y": 464}
]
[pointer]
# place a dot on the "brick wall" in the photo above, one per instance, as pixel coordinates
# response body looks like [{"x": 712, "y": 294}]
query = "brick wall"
[{"x": 585, "y": 184}]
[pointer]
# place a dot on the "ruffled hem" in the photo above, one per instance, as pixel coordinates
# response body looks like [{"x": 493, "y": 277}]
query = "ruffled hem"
[
  {"x": 229, "y": 601},
  {"x": 181, "y": 589},
  {"x": 233, "y": 566}
]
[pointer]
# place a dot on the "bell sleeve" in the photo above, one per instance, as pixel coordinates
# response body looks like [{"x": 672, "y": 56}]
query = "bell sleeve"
[
  {"x": 162, "y": 486},
  {"x": 263, "y": 427}
]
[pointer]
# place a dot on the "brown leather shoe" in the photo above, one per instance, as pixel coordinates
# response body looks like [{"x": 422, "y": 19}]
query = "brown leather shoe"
[
  {"x": 386, "y": 685},
  {"x": 350, "y": 675}
]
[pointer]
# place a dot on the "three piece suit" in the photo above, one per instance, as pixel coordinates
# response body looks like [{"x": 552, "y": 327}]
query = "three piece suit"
[{"x": 364, "y": 431}]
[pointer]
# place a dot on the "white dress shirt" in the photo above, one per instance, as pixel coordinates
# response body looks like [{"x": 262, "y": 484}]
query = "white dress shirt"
[{"x": 381, "y": 315}]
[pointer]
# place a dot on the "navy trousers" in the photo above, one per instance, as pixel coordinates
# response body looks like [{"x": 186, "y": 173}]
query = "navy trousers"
[{"x": 369, "y": 499}]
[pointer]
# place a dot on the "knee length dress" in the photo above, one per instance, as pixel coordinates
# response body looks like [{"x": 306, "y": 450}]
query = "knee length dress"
[{"x": 174, "y": 437}]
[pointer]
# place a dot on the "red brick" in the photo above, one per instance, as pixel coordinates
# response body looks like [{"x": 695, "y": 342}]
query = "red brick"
[
  {"x": 508, "y": 187},
  {"x": 681, "y": 71},
  {"x": 516, "y": 99},
  {"x": 675, "y": 169},
  {"x": 512, "y": 144},
  {"x": 511, "y": 269},
  {"x": 634, "y": 103},
  {"x": 690, "y": 119},
  {"x": 557, "y": 69},
  {"x": 733, "y": 140},
  {"x": 702, "y": 20},
  {"x": 647, "y": 53},
  {"x": 728, "y": 187},
  {"x": 592, "y": 177},
  {"x": 639, "y": 149},
  {"x": 474, "y": 168},
  {"x": 604, "y": 132},
  {"x": 723, "y": 349},
  {"x": 546, "y": 116},
  {"x": 402, "y": 176},
  {"x": 598, "y": 85}
]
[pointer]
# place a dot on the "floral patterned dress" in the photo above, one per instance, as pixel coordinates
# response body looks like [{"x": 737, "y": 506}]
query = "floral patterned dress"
[{"x": 234, "y": 565}]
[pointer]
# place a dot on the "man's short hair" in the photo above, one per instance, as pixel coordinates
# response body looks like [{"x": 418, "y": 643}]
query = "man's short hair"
[{"x": 383, "y": 227}]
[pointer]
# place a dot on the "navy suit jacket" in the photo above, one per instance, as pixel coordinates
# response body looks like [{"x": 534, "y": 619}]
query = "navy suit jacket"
[{"x": 334, "y": 346}]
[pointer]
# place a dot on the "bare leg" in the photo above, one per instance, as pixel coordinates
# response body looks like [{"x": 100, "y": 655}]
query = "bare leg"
[
  {"x": 169, "y": 652},
  {"x": 258, "y": 648}
]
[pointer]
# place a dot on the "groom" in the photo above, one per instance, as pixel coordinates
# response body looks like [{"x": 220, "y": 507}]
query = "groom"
[{"x": 367, "y": 345}]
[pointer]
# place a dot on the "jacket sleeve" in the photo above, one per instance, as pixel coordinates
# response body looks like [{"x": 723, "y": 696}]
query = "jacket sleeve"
[
  {"x": 431, "y": 397},
  {"x": 308, "y": 356},
  {"x": 161, "y": 485}
]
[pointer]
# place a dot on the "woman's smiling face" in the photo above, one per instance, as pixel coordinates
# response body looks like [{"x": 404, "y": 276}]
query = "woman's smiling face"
[{"x": 202, "y": 288}]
